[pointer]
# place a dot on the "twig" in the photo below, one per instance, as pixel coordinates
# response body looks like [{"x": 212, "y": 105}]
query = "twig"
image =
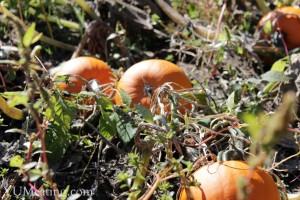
[
  {"x": 158, "y": 180},
  {"x": 282, "y": 161},
  {"x": 80, "y": 46},
  {"x": 83, "y": 4}
]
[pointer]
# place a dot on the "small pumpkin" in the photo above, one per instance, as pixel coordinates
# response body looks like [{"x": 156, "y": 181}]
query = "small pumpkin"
[
  {"x": 285, "y": 21},
  {"x": 88, "y": 68},
  {"x": 143, "y": 79},
  {"x": 219, "y": 181}
]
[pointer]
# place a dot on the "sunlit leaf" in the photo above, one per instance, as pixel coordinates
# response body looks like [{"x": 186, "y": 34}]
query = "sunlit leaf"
[
  {"x": 28, "y": 166},
  {"x": 29, "y": 35},
  {"x": 267, "y": 28},
  {"x": 126, "y": 99},
  {"x": 34, "y": 174},
  {"x": 107, "y": 126},
  {"x": 64, "y": 195},
  {"x": 18, "y": 100},
  {"x": 280, "y": 65},
  {"x": 112, "y": 36},
  {"x": 230, "y": 101},
  {"x": 36, "y": 38},
  {"x": 16, "y": 161},
  {"x": 274, "y": 76},
  {"x": 254, "y": 125},
  {"x": 57, "y": 134},
  {"x": 123, "y": 125},
  {"x": 105, "y": 103},
  {"x": 146, "y": 113}
]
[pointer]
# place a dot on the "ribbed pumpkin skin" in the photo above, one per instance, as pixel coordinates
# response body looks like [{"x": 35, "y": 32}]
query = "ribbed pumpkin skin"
[
  {"x": 288, "y": 22},
  {"x": 219, "y": 182},
  {"x": 88, "y": 68},
  {"x": 153, "y": 73}
]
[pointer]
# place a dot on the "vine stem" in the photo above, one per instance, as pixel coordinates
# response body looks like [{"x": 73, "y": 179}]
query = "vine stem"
[
  {"x": 282, "y": 161},
  {"x": 84, "y": 5},
  {"x": 141, "y": 172},
  {"x": 159, "y": 178}
]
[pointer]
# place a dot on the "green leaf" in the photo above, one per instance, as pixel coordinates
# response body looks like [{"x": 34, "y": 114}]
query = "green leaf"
[
  {"x": 64, "y": 195},
  {"x": 280, "y": 65},
  {"x": 105, "y": 103},
  {"x": 146, "y": 113},
  {"x": 239, "y": 50},
  {"x": 230, "y": 101},
  {"x": 267, "y": 28},
  {"x": 126, "y": 99},
  {"x": 36, "y": 38},
  {"x": 57, "y": 134},
  {"x": 16, "y": 161},
  {"x": 10, "y": 75},
  {"x": 29, "y": 166},
  {"x": 123, "y": 125},
  {"x": 20, "y": 98},
  {"x": 29, "y": 35},
  {"x": 201, "y": 97},
  {"x": 253, "y": 124},
  {"x": 34, "y": 174},
  {"x": 107, "y": 126},
  {"x": 274, "y": 76}
]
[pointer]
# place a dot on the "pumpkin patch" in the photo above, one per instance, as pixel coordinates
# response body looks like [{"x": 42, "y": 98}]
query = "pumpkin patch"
[{"x": 162, "y": 100}]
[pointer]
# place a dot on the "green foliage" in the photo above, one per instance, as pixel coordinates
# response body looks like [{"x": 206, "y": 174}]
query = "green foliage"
[
  {"x": 107, "y": 126},
  {"x": 124, "y": 178},
  {"x": 29, "y": 37},
  {"x": 155, "y": 19},
  {"x": 193, "y": 11},
  {"x": 134, "y": 159},
  {"x": 275, "y": 76},
  {"x": 230, "y": 102},
  {"x": 123, "y": 125},
  {"x": 246, "y": 22},
  {"x": 164, "y": 190},
  {"x": 146, "y": 113},
  {"x": 16, "y": 161},
  {"x": 16, "y": 98},
  {"x": 281, "y": 64},
  {"x": 125, "y": 97},
  {"x": 3, "y": 171},
  {"x": 57, "y": 137},
  {"x": 268, "y": 28},
  {"x": 64, "y": 195}
]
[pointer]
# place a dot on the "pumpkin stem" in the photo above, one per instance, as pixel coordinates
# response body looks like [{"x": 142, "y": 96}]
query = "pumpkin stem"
[
  {"x": 235, "y": 151},
  {"x": 148, "y": 90}
]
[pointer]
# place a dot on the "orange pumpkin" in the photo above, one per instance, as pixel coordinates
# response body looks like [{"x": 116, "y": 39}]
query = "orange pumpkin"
[
  {"x": 143, "y": 79},
  {"x": 218, "y": 181},
  {"x": 287, "y": 21},
  {"x": 88, "y": 68}
]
